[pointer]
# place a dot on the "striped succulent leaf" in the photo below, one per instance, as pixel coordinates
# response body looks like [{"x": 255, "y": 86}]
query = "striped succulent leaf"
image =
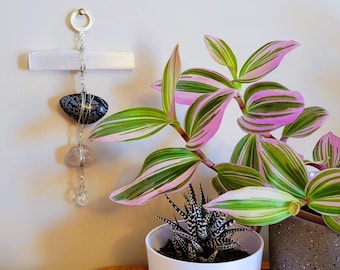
[
  {"x": 131, "y": 124},
  {"x": 221, "y": 53},
  {"x": 246, "y": 152},
  {"x": 195, "y": 82},
  {"x": 164, "y": 171},
  {"x": 283, "y": 168},
  {"x": 256, "y": 206},
  {"x": 269, "y": 106},
  {"x": 332, "y": 222},
  {"x": 264, "y": 60},
  {"x": 204, "y": 117},
  {"x": 202, "y": 234},
  {"x": 232, "y": 176},
  {"x": 311, "y": 119},
  {"x": 323, "y": 192},
  {"x": 328, "y": 149},
  {"x": 171, "y": 74}
]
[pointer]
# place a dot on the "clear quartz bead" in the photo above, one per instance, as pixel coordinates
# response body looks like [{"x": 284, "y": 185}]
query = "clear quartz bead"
[
  {"x": 81, "y": 197},
  {"x": 74, "y": 156}
]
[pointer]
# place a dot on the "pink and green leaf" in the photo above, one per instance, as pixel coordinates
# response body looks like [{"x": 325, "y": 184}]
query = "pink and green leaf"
[
  {"x": 246, "y": 152},
  {"x": 283, "y": 168},
  {"x": 232, "y": 176},
  {"x": 264, "y": 60},
  {"x": 196, "y": 82},
  {"x": 221, "y": 53},
  {"x": 171, "y": 74},
  {"x": 164, "y": 171},
  {"x": 328, "y": 149},
  {"x": 269, "y": 106},
  {"x": 130, "y": 124},
  {"x": 256, "y": 206},
  {"x": 218, "y": 186},
  {"x": 323, "y": 192},
  {"x": 204, "y": 117},
  {"x": 208, "y": 77},
  {"x": 310, "y": 120}
]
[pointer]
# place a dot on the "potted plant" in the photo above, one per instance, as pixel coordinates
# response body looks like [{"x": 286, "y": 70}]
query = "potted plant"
[
  {"x": 202, "y": 239},
  {"x": 266, "y": 180}
]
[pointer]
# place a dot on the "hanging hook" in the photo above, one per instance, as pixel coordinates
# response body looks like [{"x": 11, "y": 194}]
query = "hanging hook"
[{"x": 81, "y": 12}]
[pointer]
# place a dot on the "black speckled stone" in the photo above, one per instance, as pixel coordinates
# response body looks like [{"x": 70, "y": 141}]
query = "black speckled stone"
[
  {"x": 94, "y": 107},
  {"x": 296, "y": 244}
]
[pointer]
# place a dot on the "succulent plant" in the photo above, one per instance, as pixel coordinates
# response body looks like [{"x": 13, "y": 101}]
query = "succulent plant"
[{"x": 207, "y": 236}]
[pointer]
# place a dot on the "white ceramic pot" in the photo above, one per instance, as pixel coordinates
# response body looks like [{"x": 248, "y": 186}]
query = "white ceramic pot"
[{"x": 251, "y": 241}]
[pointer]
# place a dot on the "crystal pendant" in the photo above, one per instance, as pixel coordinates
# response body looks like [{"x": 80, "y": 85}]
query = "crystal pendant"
[
  {"x": 82, "y": 197},
  {"x": 78, "y": 154}
]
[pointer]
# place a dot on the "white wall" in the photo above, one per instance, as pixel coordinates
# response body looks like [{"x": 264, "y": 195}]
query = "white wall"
[{"x": 39, "y": 227}]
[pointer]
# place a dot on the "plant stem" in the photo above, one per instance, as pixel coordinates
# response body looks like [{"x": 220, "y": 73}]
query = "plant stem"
[
  {"x": 206, "y": 160},
  {"x": 200, "y": 153},
  {"x": 240, "y": 102}
]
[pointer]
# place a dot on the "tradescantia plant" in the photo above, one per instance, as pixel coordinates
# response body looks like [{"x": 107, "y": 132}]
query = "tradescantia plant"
[{"x": 265, "y": 180}]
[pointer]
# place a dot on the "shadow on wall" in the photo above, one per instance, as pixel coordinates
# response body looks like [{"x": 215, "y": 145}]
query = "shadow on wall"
[
  {"x": 99, "y": 234},
  {"x": 136, "y": 91},
  {"x": 103, "y": 232}
]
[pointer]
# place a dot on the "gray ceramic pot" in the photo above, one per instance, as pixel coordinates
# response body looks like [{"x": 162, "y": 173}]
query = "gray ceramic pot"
[{"x": 297, "y": 243}]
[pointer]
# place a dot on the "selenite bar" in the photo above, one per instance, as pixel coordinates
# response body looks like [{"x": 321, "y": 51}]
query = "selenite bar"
[{"x": 70, "y": 60}]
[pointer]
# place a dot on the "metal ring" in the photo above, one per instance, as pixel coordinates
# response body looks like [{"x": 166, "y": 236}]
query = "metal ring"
[{"x": 81, "y": 12}]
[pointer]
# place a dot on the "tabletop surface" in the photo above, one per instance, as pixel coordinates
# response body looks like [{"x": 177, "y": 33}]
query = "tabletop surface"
[{"x": 265, "y": 266}]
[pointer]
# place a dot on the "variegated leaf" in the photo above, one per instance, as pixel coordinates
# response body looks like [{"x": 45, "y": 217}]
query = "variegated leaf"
[
  {"x": 221, "y": 53},
  {"x": 196, "y": 82},
  {"x": 171, "y": 74},
  {"x": 209, "y": 77},
  {"x": 164, "y": 171},
  {"x": 256, "y": 206},
  {"x": 328, "y": 149},
  {"x": 264, "y": 60},
  {"x": 283, "y": 168},
  {"x": 232, "y": 176},
  {"x": 269, "y": 106},
  {"x": 332, "y": 222},
  {"x": 246, "y": 152},
  {"x": 204, "y": 117},
  {"x": 310, "y": 120},
  {"x": 323, "y": 192},
  {"x": 218, "y": 186},
  {"x": 131, "y": 124}
]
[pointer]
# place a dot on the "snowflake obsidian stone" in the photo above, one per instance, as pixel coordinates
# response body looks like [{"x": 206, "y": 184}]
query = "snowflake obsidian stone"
[{"x": 92, "y": 109}]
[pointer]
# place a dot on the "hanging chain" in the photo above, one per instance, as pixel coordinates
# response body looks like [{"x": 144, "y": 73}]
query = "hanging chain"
[
  {"x": 82, "y": 61},
  {"x": 82, "y": 155},
  {"x": 82, "y": 196}
]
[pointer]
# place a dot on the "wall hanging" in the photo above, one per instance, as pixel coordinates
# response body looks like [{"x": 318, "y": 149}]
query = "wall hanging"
[{"x": 83, "y": 107}]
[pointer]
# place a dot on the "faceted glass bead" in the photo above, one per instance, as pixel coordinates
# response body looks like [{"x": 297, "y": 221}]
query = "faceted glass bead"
[
  {"x": 82, "y": 197},
  {"x": 73, "y": 156}
]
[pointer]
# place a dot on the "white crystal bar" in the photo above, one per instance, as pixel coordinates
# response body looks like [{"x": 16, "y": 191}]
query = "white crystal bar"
[{"x": 70, "y": 60}]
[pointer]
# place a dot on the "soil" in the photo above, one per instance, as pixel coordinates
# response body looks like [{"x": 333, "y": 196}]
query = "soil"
[
  {"x": 222, "y": 255},
  {"x": 307, "y": 209}
]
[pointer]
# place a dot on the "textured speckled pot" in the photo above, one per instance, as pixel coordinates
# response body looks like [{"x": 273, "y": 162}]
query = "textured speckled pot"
[
  {"x": 251, "y": 241},
  {"x": 296, "y": 243}
]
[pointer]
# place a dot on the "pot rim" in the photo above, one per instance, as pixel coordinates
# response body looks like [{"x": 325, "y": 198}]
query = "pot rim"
[
  {"x": 152, "y": 249},
  {"x": 311, "y": 217}
]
